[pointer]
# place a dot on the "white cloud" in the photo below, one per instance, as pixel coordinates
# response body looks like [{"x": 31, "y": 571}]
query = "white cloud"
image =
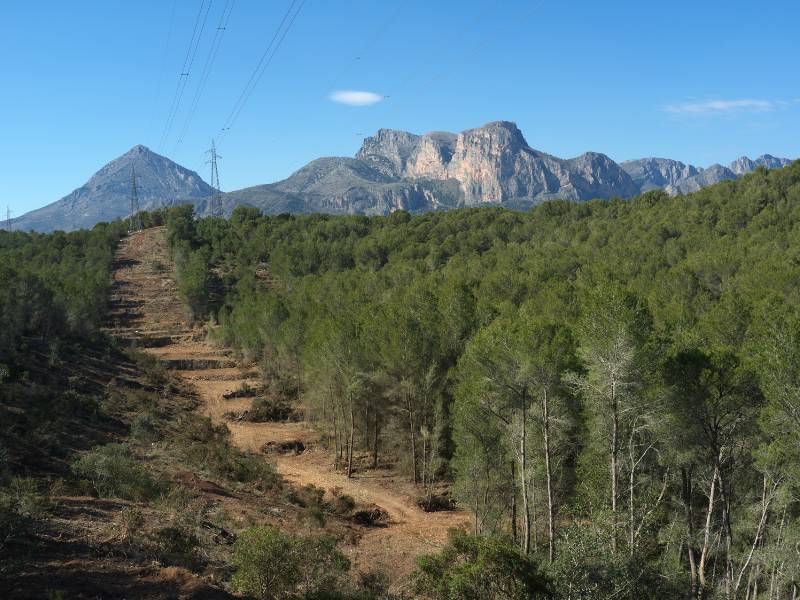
[
  {"x": 721, "y": 107},
  {"x": 355, "y": 98}
]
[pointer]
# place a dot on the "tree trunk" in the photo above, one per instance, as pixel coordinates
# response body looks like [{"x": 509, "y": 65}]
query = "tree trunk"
[
  {"x": 413, "y": 438},
  {"x": 523, "y": 478},
  {"x": 686, "y": 492},
  {"x": 727, "y": 533},
  {"x": 350, "y": 442},
  {"x": 765, "y": 502},
  {"x": 614, "y": 468},
  {"x": 514, "y": 534},
  {"x": 337, "y": 455},
  {"x": 424, "y": 464},
  {"x": 548, "y": 477},
  {"x": 375, "y": 435},
  {"x": 701, "y": 570},
  {"x": 631, "y": 507}
]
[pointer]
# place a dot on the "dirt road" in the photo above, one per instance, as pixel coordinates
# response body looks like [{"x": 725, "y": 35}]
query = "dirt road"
[{"x": 151, "y": 314}]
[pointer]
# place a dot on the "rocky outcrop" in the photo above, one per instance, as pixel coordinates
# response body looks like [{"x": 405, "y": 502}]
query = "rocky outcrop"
[
  {"x": 710, "y": 176},
  {"x": 745, "y": 165},
  {"x": 657, "y": 173},
  {"x": 494, "y": 163}
]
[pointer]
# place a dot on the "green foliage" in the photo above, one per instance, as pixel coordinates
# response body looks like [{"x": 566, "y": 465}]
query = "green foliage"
[
  {"x": 111, "y": 471},
  {"x": 207, "y": 446},
  {"x": 271, "y": 565},
  {"x": 176, "y": 545},
  {"x": 476, "y": 568},
  {"x": 662, "y": 332},
  {"x": 54, "y": 286}
]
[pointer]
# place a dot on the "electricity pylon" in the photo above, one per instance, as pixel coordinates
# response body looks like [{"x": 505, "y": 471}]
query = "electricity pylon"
[
  {"x": 216, "y": 194},
  {"x": 135, "y": 219}
]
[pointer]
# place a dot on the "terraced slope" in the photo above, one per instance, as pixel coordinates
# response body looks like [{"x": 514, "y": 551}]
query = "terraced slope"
[{"x": 148, "y": 312}]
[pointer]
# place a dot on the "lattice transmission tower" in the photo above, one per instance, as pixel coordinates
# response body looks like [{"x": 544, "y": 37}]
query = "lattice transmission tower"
[
  {"x": 216, "y": 195},
  {"x": 135, "y": 219},
  {"x": 8, "y": 224}
]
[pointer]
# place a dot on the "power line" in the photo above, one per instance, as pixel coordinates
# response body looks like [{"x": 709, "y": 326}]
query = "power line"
[
  {"x": 377, "y": 35},
  {"x": 206, "y": 72},
  {"x": 162, "y": 70},
  {"x": 263, "y": 63},
  {"x": 216, "y": 194},
  {"x": 188, "y": 62}
]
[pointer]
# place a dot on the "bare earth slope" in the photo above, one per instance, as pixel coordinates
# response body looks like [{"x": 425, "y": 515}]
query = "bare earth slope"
[{"x": 151, "y": 314}]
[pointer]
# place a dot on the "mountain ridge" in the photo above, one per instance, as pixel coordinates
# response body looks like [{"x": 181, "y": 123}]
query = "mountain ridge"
[{"x": 392, "y": 170}]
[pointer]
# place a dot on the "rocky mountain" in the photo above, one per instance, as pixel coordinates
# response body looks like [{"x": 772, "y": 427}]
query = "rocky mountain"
[
  {"x": 392, "y": 170},
  {"x": 400, "y": 170},
  {"x": 657, "y": 173},
  {"x": 713, "y": 174},
  {"x": 678, "y": 178},
  {"x": 106, "y": 196},
  {"x": 744, "y": 165}
]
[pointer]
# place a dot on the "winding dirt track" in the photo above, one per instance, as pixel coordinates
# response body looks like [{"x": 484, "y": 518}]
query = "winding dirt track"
[{"x": 151, "y": 314}]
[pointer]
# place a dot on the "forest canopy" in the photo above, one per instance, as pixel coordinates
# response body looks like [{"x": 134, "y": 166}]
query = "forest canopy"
[{"x": 612, "y": 386}]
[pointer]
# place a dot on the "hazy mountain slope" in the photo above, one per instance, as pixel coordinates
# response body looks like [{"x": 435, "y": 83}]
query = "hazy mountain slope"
[
  {"x": 654, "y": 173},
  {"x": 710, "y": 176},
  {"x": 106, "y": 196},
  {"x": 744, "y": 165},
  {"x": 678, "y": 178}
]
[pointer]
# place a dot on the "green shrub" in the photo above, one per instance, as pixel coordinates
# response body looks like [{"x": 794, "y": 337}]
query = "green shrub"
[
  {"x": 272, "y": 565},
  {"x": 342, "y": 504},
  {"x": 74, "y": 404},
  {"x": 27, "y": 499},
  {"x": 265, "y": 410},
  {"x": 176, "y": 545},
  {"x": 111, "y": 471},
  {"x": 20, "y": 504},
  {"x": 481, "y": 568},
  {"x": 207, "y": 445},
  {"x": 129, "y": 522},
  {"x": 144, "y": 428}
]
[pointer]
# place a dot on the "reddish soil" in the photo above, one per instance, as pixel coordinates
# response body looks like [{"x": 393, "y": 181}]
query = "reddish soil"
[{"x": 152, "y": 316}]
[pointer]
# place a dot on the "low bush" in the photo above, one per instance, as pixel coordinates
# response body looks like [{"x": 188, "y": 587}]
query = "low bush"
[
  {"x": 272, "y": 565},
  {"x": 144, "y": 428},
  {"x": 27, "y": 498},
  {"x": 176, "y": 545},
  {"x": 436, "y": 503},
  {"x": 265, "y": 410},
  {"x": 474, "y": 567},
  {"x": 111, "y": 471},
  {"x": 207, "y": 445},
  {"x": 20, "y": 504},
  {"x": 12, "y": 523},
  {"x": 311, "y": 499},
  {"x": 342, "y": 504},
  {"x": 129, "y": 522}
]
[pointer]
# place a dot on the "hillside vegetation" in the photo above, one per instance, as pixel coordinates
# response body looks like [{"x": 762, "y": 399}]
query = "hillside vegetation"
[
  {"x": 613, "y": 388},
  {"x": 111, "y": 483}
]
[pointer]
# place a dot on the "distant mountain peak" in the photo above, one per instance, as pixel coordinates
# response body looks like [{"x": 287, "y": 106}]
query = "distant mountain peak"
[{"x": 106, "y": 195}]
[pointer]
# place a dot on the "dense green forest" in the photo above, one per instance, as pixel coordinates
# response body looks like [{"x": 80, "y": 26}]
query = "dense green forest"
[
  {"x": 53, "y": 287},
  {"x": 611, "y": 387}
]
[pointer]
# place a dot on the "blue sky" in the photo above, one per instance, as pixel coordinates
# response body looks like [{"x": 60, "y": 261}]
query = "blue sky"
[{"x": 84, "y": 81}]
